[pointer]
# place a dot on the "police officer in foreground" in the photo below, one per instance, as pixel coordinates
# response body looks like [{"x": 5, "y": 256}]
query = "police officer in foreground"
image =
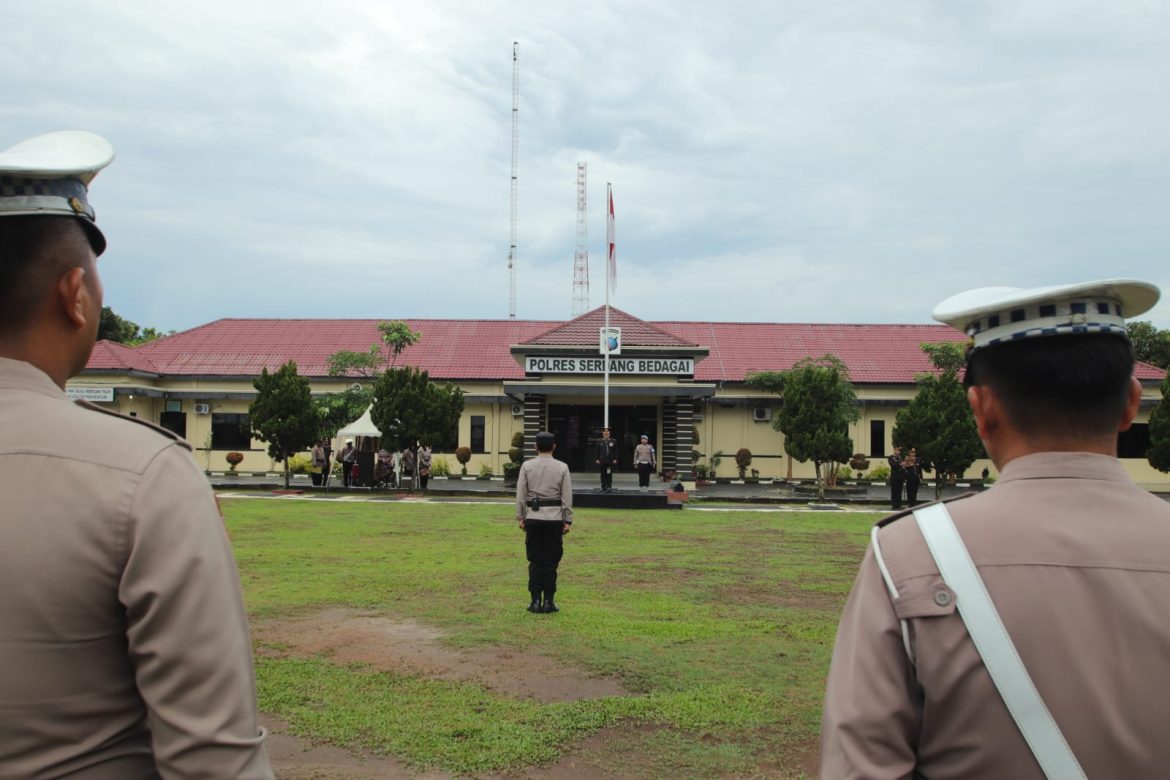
[
  {"x": 1058, "y": 668},
  {"x": 124, "y": 645},
  {"x": 544, "y": 508},
  {"x": 606, "y": 459}
]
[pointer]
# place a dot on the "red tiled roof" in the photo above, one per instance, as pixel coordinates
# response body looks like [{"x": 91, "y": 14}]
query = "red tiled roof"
[
  {"x": 480, "y": 349},
  {"x": 586, "y": 329},
  {"x": 112, "y": 356}
]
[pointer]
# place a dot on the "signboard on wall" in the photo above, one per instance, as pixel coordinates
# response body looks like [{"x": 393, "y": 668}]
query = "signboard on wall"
[
  {"x": 618, "y": 365},
  {"x": 610, "y": 342},
  {"x": 95, "y": 395}
]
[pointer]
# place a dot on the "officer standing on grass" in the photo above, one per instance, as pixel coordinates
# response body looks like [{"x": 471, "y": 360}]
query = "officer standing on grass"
[
  {"x": 544, "y": 508},
  {"x": 124, "y": 645},
  {"x": 1021, "y": 632}
]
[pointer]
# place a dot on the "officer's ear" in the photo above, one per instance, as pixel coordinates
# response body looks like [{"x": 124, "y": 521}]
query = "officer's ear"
[
  {"x": 75, "y": 293},
  {"x": 1132, "y": 402},
  {"x": 986, "y": 407}
]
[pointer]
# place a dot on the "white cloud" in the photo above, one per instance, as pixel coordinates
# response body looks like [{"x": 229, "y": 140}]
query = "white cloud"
[{"x": 821, "y": 161}]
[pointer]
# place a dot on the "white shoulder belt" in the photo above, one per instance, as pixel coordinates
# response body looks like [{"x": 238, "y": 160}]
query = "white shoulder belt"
[{"x": 991, "y": 640}]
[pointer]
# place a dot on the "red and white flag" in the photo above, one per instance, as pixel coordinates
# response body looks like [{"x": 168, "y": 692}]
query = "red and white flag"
[{"x": 611, "y": 270}]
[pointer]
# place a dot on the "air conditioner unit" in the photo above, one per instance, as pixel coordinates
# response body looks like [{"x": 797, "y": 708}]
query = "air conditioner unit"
[
  {"x": 202, "y": 408},
  {"x": 761, "y": 414},
  {"x": 517, "y": 410}
]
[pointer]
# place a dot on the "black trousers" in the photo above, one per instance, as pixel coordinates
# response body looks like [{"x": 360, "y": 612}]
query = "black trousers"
[
  {"x": 606, "y": 477},
  {"x": 912, "y": 491},
  {"x": 644, "y": 470},
  {"x": 545, "y": 544},
  {"x": 896, "y": 492}
]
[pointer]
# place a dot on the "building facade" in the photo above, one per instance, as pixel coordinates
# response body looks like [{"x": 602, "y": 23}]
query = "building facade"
[{"x": 683, "y": 384}]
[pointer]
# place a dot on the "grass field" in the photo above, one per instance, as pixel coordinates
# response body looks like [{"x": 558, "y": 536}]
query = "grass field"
[{"x": 719, "y": 625}]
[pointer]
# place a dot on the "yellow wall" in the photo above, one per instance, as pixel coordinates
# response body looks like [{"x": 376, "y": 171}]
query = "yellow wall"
[{"x": 725, "y": 428}]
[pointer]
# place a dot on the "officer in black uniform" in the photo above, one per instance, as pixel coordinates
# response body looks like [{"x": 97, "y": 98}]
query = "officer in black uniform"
[
  {"x": 897, "y": 477},
  {"x": 606, "y": 459},
  {"x": 544, "y": 509}
]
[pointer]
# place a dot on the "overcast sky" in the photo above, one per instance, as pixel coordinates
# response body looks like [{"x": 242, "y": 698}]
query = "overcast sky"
[{"x": 794, "y": 162}]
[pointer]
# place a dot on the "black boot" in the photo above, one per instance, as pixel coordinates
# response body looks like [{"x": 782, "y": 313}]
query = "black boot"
[
  {"x": 549, "y": 604},
  {"x": 535, "y": 606}
]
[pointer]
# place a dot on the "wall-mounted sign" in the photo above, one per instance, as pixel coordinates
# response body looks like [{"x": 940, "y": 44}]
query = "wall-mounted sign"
[
  {"x": 610, "y": 342},
  {"x": 95, "y": 395},
  {"x": 622, "y": 365}
]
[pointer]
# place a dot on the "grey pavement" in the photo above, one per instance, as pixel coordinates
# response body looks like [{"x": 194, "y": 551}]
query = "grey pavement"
[{"x": 875, "y": 496}]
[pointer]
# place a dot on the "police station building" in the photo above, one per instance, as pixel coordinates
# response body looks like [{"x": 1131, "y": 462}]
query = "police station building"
[{"x": 680, "y": 383}]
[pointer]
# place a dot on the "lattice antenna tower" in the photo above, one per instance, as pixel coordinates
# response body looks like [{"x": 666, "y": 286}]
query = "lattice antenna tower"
[
  {"x": 581, "y": 255},
  {"x": 515, "y": 147}
]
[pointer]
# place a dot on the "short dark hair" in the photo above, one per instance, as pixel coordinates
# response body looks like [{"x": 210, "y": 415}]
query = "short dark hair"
[
  {"x": 35, "y": 250},
  {"x": 1075, "y": 384},
  {"x": 545, "y": 441}
]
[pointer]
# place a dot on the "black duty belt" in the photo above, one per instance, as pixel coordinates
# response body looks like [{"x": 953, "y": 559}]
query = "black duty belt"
[{"x": 543, "y": 502}]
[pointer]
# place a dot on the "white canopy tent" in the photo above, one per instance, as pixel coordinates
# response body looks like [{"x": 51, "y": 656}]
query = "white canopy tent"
[{"x": 361, "y": 428}]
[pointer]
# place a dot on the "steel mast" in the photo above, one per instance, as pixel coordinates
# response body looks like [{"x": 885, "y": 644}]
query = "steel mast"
[
  {"x": 581, "y": 256},
  {"x": 515, "y": 146}
]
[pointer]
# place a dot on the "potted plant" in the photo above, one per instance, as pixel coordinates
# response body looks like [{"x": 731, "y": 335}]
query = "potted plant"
[
  {"x": 515, "y": 458},
  {"x": 859, "y": 463},
  {"x": 233, "y": 459},
  {"x": 743, "y": 459},
  {"x": 716, "y": 459},
  {"x": 485, "y": 471},
  {"x": 463, "y": 455}
]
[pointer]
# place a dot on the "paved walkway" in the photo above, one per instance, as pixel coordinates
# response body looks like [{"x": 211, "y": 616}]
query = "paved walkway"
[{"x": 870, "y": 496}]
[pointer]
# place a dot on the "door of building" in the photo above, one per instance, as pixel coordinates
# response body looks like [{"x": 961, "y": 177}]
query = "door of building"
[
  {"x": 578, "y": 427},
  {"x": 175, "y": 422}
]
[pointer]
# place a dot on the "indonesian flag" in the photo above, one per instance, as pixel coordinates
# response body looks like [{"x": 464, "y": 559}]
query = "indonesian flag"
[{"x": 611, "y": 271}]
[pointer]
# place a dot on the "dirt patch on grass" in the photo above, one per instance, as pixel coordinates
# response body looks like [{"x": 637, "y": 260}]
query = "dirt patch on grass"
[
  {"x": 294, "y": 758},
  {"x": 408, "y": 647}
]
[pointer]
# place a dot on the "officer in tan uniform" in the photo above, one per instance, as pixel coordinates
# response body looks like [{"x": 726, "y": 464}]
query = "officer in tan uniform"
[
  {"x": 124, "y": 646},
  {"x": 1074, "y": 556},
  {"x": 544, "y": 508}
]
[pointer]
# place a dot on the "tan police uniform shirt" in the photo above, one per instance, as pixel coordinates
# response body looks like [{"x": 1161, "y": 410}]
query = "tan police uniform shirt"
[
  {"x": 644, "y": 453},
  {"x": 124, "y": 646},
  {"x": 548, "y": 478},
  {"x": 1077, "y": 560}
]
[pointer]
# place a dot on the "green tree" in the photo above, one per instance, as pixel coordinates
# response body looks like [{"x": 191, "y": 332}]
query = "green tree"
[
  {"x": 409, "y": 407},
  {"x": 337, "y": 410},
  {"x": 283, "y": 413},
  {"x": 817, "y": 404},
  {"x": 1150, "y": 345},
  {"x": 938, "y": 421},
  {"x": 1159, "y": 453},
  {"x": 398, "y": 336},
  {"x": 348, "y": 363},
  {"x": 121, "y": 330}
]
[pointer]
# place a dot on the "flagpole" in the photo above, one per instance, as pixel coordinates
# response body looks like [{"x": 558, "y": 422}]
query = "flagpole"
[{"x": 608, "y": 281}]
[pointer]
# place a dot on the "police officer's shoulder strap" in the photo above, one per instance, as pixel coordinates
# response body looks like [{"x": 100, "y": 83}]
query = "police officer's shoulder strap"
[
  {"x": 994, "y": 644},
  {"x": 156, "y": 428}
]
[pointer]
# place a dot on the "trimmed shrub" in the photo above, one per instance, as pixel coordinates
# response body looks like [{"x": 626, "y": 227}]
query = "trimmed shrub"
[
  {"x": 879, "y": 473},
  {"x": 743, "y": 459},
  {"x": 463, "y": 455},
  {"x": 234, "y": 459}
]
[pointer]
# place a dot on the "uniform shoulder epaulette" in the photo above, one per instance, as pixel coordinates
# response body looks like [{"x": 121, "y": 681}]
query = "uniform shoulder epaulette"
[
  {"x": 156, "y": 428},
  {"x": 907, "y": 512}
]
